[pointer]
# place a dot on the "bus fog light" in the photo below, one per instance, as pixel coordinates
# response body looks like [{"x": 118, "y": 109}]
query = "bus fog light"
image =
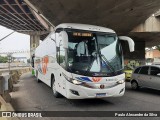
[
  {"x": 74, "y": 92},
  {"x": 120, "y": 81}
]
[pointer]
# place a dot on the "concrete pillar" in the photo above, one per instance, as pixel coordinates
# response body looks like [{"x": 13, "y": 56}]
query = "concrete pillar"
[
  {"x": 137, "y": 57},
  {"x": 34, "y": 43},
  {"x": 152, "y": 24}
]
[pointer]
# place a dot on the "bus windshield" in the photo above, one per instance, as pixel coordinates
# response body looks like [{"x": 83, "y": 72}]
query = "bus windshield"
[{"x": 94, "y": 53}]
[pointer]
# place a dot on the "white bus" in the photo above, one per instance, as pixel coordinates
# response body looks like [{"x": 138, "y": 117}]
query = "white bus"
[{"x": 82, "y": 61}]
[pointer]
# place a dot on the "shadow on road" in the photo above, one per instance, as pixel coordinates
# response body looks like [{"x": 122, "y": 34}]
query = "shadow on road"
[
  {"x": 149, "y": 91},
  {"x": 142, "y": 90},
  {"x": 89, "y": 102}
]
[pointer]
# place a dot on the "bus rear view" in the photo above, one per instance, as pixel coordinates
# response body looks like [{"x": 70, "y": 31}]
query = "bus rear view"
[{"x": 89, "y": 60}]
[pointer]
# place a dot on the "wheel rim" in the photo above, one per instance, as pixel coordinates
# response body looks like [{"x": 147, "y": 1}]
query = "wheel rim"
[
  {"x": 134, "y": 85},
  {"x": 54, "y": 88}
]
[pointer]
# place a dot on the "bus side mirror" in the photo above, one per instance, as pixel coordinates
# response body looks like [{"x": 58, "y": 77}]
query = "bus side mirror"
[
  {"x": 130, "y": 42},
  {"x": 64, "y": 37}
]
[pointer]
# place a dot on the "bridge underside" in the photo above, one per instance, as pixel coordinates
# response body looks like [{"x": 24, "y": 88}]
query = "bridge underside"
[
  {"x": 120, "y": 15},
  {"x": 151, "y": 38},
  {"x": 16, "y": 15}
]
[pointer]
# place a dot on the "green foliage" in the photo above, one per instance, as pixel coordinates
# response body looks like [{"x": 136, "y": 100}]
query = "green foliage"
[
  {"x": 3, "y": 59},
  {"x": 61, "y": 59},
  {"x": 149, "y": 60}
]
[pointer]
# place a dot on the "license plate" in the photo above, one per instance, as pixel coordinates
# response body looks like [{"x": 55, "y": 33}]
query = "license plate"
[{"x": 100, "y": 94}]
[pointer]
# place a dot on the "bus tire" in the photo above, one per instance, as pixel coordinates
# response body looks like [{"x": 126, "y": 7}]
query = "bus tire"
[
  {"x": 38, "y": 81},
  {"x": 55, "y": 93}
]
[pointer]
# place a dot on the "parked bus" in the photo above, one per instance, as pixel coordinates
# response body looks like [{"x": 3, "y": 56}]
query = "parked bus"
[{"x": 82, "y": 61}]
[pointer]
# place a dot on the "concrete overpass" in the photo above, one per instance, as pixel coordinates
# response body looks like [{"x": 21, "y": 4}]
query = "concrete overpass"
[
  {"x": 124, "y": 16},
  {"x": 149, "y": 30},
  {"x": 18, "y": 16},
  {"x": 121, "y": 15}
]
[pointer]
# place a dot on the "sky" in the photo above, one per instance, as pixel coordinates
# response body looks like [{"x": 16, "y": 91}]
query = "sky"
[{"x": 15, "y": 42}]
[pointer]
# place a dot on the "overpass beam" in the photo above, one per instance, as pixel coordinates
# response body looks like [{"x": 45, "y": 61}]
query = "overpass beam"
[
  {"x": 152, "y": 24},
  {"x": 133, "y": 59},
  {"x": 149, "y": 31}
]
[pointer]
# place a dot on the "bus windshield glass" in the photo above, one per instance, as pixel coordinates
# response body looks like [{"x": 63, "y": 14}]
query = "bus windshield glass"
[{"x": 94, "y": 53}]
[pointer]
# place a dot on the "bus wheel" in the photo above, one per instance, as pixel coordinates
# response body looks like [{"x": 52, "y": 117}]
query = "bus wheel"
[
  {"x": 55, "y": 93},
  {"x": 37, "y": 77},
  {"x": 134, "y": 85}
]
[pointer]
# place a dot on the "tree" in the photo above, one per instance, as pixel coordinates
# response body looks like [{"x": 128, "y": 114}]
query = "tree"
[{"x": 3, "y": 59}]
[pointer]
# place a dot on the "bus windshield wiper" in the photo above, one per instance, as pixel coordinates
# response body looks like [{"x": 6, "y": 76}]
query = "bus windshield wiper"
[{"x": 108, "y": 63}]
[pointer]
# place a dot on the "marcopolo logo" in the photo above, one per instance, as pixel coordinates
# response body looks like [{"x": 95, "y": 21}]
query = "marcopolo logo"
[{"x": 102, "y": 86}]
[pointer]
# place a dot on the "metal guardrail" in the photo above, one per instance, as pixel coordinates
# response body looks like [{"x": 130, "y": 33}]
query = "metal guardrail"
[{"x": 6, "y": 65}]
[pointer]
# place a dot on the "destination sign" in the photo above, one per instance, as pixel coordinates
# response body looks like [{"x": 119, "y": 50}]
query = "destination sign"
[{"x": 82, "y": 34}]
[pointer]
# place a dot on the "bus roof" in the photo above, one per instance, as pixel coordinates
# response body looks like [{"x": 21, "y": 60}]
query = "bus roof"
[{"x": 84, "y": 27}]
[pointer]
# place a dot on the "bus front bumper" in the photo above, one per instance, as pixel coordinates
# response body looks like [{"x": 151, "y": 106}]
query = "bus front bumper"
[{"x": 81, "y": 92}]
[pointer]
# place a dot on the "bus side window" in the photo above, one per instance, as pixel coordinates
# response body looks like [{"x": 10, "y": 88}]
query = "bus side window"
[
  {"x": 62, "y": 57},
  {"x": 61, "y": 51}
]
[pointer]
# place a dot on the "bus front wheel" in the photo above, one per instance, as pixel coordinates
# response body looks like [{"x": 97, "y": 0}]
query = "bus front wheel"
[
  {"x": 55, "y": 93},
  {"x": 37, "y": 77}
]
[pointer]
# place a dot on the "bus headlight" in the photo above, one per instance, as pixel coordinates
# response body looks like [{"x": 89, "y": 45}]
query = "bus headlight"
[
  {"x": 120, "y": 81},
  {"x": 74, "y": 81}
]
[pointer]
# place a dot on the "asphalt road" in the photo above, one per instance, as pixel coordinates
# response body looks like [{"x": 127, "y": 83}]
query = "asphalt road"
[{"x": 29, "y": 95}]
